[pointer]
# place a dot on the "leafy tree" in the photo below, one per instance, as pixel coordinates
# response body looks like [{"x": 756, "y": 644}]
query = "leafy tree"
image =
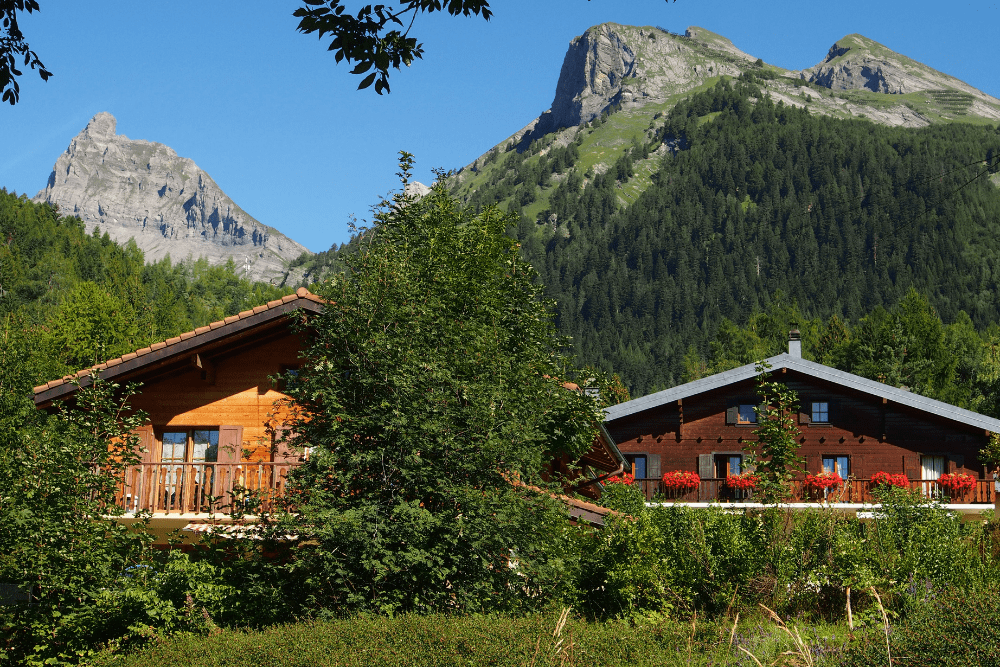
[
  {"x": 372, "y": 38},
  {"x": 432, "y": 388},
  {"x": 13, "y": 46},
  {"x": 775, "y": 454},
  {"x": 58, "y": 477},
  {"x": 92, "y": 326}
]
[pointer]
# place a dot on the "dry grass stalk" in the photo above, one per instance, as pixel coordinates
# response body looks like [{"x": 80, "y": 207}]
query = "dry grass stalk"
[
  {"x": 801, "y": 649},
  {"x": 752, "y": 656},
  {"x": 885, "y": 624},
  {"x": 850, "y": 617},
  {"x": 694, "y": 622},
  {"x": 732, "y": 635}
]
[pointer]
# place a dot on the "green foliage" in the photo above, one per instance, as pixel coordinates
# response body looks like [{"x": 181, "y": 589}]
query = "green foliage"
[
  {"x": 946, "y": 627},
  {"x": 13, "y": 48},
  {"x": 841, "y": 216},
  {"x": 83, "y": 299},
  {"x": 363, "y": 39},
  {"x": 58, "y": 478},
  {"x": 432, "y": 382},
  {"x": 797, "y": 562},
  {"x": 411, "y": 640},
  {"x": 775, "y": 454},
  {"x": 628, "y": 499},
  {"x": 92, "y": 325}
]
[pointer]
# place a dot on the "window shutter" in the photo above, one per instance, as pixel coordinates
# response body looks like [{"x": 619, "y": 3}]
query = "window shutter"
[
  {"x": 955, "y": 461},
  {"x": 911, "y": 466},
  {"x": 147, "y": 445},
  {"x": 732, "y": 414},
  {"x": 805, "y": 414},
  {"x": 705, "y": 466},
  {"x": 653, "y": 466},
  {"x": 281, "y": 451},
  {"x": 230, "y": 444}
]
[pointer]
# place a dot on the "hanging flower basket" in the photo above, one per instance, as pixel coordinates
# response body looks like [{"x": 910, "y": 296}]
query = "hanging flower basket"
[
  {"x": 681, "y": 481},
  {"x": 744, "y": 482},
  {"x": 884, "y": 479},
  {"x": 957, "y": 483}
]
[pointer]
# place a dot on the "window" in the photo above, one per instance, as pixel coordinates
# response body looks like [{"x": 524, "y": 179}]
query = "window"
[
  {"x": 838, "y": 464},
  {"x": 820, "y": 412},
  {"x": 931, "y": 467},
  {"x": 190, "y": 446},
  {"x": 728, "y": 464},
  {"x": 747, "y": 414},
  {"x": 287, "y": 377},
  {"x": 637, "y": 463}
]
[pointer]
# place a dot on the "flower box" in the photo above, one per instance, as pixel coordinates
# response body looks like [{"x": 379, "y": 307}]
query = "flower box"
[
  {"x": 882, "y": 478},
  {"x": 956, "y": 483},
  {"x": 681, "y": 480},
  {"x": 823, "y": 480},
  {"x": 744, "y": 482}
]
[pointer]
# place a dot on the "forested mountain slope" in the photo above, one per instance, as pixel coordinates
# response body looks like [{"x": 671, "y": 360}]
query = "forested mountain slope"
[
  {"x": 77, "y": 299},
  {"x": 746, "y": 196}
]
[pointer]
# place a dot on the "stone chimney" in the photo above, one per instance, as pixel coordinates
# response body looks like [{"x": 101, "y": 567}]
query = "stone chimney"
[{"x": 795, "y": 343}]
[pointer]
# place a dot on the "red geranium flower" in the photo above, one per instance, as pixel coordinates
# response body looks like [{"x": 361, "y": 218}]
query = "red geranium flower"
[
  {"x": 747, "y": 481},
  {"x": 681, "y": 479},
  {"x": 823, "y": 480},
  {"x": 624, "y": 478},
  {"x": 882, "y": 478},
  {"x": 957, "y": 481}
]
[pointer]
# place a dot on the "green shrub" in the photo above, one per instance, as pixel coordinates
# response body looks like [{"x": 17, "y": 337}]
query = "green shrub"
[{"x": 498, "y": 641}]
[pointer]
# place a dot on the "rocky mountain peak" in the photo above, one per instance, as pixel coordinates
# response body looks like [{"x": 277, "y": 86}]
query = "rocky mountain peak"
[
  {"x": 631, "y": 66},
  {"x": 143, "y": 190},
  {"x": 856, "y": 62},
  {"x": 101, "y": 126}
]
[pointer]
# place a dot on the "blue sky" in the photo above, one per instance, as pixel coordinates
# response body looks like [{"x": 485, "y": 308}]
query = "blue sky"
[{"x": 280, "y": 127}]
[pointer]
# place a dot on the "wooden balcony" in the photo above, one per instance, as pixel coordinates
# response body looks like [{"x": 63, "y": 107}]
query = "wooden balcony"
[
  {"x": 851, "y": 491},
  {"x": 202, "y": 488}
]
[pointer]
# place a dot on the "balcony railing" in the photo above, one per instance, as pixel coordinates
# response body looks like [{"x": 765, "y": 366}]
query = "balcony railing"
[
  {"x": 177, "y": 488},
  {"x": 851, "y": 491}
]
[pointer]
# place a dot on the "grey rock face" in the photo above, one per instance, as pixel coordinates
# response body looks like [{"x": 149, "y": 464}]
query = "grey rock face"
[
  {"x": 143, "y": 190},
  {"x": 858, "y": 63},
  {"x": 614, "y": 64}
]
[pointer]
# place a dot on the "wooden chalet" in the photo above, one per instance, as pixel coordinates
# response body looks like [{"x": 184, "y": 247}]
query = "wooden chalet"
[
  {"x": 209, "y": 448},
  {"x": 847, "y": 424}
]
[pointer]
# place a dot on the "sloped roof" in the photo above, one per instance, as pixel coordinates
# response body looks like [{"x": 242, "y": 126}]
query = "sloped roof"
[
  {"x": 184, "y": 343},
  {"x": 812, "y": 369}
]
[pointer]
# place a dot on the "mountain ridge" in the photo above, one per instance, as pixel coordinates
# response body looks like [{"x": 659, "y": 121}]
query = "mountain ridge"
[{"x": 631, "y": 75}]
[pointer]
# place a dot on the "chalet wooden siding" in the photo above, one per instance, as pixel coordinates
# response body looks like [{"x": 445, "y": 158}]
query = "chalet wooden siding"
[{"x": 241, "y": 394}]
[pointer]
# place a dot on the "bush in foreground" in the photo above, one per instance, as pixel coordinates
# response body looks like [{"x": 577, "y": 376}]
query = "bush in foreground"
[{"x": 498, "y": 641}]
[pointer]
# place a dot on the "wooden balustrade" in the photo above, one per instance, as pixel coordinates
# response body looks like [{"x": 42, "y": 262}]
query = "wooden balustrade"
[
  {"x": 175, "y": 488},
  {"x": 851, "y": 491}
]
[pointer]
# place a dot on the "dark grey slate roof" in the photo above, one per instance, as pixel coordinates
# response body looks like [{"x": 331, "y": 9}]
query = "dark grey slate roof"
[{"x": 815, "y": 370}]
